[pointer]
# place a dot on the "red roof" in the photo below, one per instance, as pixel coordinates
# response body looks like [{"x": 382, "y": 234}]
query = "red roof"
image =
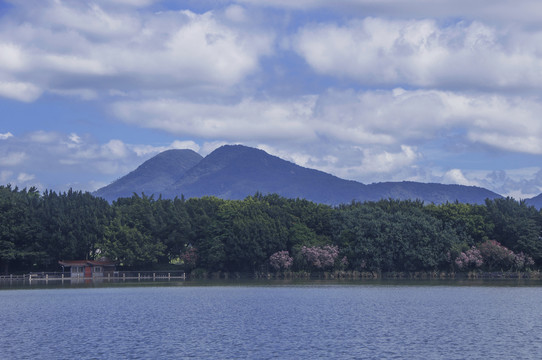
[{"x": 87, "y": 263}]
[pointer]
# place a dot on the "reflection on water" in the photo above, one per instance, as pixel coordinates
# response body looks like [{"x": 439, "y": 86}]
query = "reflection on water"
[
  {"x": 98, "y": 283},
  {"x": 255, "y": 320}
]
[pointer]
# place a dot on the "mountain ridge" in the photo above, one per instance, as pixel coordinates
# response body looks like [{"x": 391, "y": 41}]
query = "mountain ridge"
[{"x": 237, "y": 171}]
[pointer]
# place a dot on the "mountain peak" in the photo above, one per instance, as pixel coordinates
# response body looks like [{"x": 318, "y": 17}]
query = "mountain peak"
[
  {"x": 237, "y": 171},
  {"x": 153, "y": 176}
]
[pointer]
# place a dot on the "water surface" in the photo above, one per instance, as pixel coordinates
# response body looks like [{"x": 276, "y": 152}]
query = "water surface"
[{"x": 273, "y": 322}]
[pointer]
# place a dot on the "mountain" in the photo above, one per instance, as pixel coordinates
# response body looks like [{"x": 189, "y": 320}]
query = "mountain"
[
  {"x": 236, "y": 171},
  {"x": 153, "y": 176},
  {"x": 536, "y": 201}
]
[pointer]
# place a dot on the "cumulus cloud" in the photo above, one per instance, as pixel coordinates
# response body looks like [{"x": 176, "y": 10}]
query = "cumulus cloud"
[
  {"x": 360, "y": 118},
  {"x": 65, "y": 160},
  {"x": 422, "y": 53},
  {"x": 24, "y": 177},
  {"x": 246, "y": 120},
  {"x": 387, "y": 162},
  {"x": 21, "y": 91},
  {"x": 519, "y": 183},
  {"x": 61, "y": 45},
  {"x": 456, "y": 176},
  {"x": 499, "y": 11},
  {"x": 376, "y": 135}
]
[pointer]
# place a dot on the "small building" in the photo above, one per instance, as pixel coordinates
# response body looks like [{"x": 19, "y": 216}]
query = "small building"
[{"x": 88, "y": 268}]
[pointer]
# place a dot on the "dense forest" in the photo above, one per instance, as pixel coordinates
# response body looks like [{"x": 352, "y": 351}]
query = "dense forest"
[{"x": 265, "y": 233}]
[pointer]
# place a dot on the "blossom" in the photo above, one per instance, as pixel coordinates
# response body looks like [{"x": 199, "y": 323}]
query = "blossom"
[
  {"x": 321, "y": 257},
  {"x": 472, "y": 258},
  {"x": 281, "y": 260}
]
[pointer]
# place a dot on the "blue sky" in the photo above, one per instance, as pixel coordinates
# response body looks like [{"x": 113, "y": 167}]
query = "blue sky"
[{"x": 425, "y": 90}]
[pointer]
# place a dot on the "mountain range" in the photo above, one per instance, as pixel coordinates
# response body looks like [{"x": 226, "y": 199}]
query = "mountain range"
[{"x": 236, "y": 171}]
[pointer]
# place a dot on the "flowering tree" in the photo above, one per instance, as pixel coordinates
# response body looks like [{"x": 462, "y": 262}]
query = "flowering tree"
[
  {"x": 472, "y": 258},
  {"x": 321, "y": 257},
  {"x": 492, "y": 255},
  {"x": 497, "y": 256},
  {"x": 281, "y": 260},
  {"x": 190, "y": 257}
]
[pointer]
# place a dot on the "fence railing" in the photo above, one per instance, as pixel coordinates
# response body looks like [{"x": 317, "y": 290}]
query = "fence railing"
[{"x": 114, "y": 276}]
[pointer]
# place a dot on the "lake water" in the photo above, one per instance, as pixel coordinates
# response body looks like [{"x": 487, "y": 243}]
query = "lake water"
[{"x": 358, "y": 321}]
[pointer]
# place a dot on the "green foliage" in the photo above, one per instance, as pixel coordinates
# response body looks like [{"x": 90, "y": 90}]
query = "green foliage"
[{"x": 37, "y": 230}]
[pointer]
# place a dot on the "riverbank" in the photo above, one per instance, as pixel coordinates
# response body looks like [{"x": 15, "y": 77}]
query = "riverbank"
[
  {"x": 149, "y": 278},
  {"x": 368, "y": 275}
]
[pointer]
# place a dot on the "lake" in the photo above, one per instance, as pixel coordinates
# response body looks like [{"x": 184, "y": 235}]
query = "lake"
[{"x": 257, "y": 321}]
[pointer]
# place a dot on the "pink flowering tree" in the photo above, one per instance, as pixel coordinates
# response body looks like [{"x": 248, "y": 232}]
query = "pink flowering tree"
[
  {"x": 190, "y": 257},
  {"x": 491, "y": 255},
  {"x": 470, "y": 259},
  {"x": 496, "y": 256},
  {"x": 281, "y": 260},
  {"x": 321, "y": 258}
]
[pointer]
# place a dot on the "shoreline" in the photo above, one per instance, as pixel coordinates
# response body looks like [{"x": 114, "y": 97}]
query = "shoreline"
[{"x": 532, "y": 278}]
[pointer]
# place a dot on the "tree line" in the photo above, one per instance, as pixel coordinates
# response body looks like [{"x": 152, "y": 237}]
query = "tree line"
[{"x": 265, "y": 233}]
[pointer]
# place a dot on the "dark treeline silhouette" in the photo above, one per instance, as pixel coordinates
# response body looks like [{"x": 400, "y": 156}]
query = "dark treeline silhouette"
[{"x": 211, "y": 234}]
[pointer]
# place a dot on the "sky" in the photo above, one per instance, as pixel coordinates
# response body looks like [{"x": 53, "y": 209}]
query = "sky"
[{"x": 445, "y": 91}]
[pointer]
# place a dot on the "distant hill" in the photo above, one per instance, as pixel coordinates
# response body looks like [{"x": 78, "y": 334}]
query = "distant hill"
[
  {"x": 536, "y": 201},
  {"x": 432, "y": 192},
  {"x": 235, "y": 172},
  {"x": 153, "y": 176}
]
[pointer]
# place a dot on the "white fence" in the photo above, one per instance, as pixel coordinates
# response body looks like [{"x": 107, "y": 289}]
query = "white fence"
[{"x": 116, "y": 276}]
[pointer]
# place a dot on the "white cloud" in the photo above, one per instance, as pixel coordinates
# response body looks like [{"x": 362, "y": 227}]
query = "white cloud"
[
  {"x": 236, "y": 13},
  {"x": 456, "y": 176},
  {"x": 387, "y": 162},
  {"x": 24, "y": 177},
  {"x": 379, "y": 118},
  {"x": 519, "y": 183},
  {"x": 44, "y": 137},
  {"x": 115, "y": 149},
  {"x": 73, "y": 160},
  {"x": 499, "y": 11},
  {"x": 12, "y": 57},
  {"x": 390, "y": 117},
  {"x": 246, "y": 120},
  {"x": 75, "y": 138},
  {"x": 422, "y": 53},
  {"x": 143, "y": 150},
  {"x": 83, "y": 94},
  {"x": 21, "y": 91},
  {"x": 5, "y": 136},
  {"x": 361, "y": 135},
  {"x": 12, "y": 158},
  {"x": 61, "y": 45}
]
